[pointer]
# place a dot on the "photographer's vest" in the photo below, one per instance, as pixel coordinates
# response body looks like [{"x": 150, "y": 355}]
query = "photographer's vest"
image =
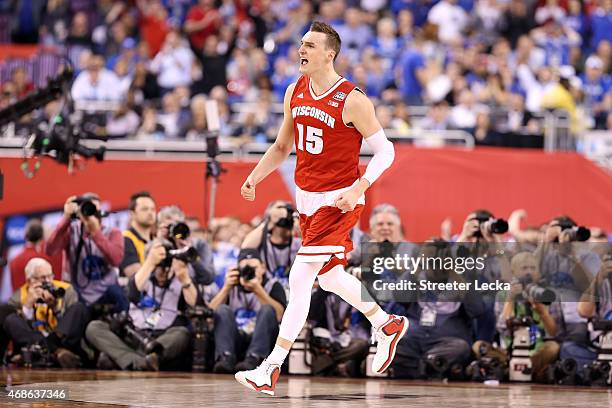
[
  {"x": 90, "y": 272},
  {"x": 138, "y": 242},
  {"x": 164, "y": 312},
  {"x": 245, "y": 306}
]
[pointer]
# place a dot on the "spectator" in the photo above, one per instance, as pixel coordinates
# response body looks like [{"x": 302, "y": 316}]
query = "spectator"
[
  {"x": 153, "y": 24},
  {"x": 27, "y": 19},
  {"x": 93, "y": 253},
  {"x": 80, "y": 33},
  {"x": 518, "y": 119},
  {"x": 463, "y": 115},
  {"x": 22, "y": 83},
  {"x": 173, "y": 63},
  {"x": 517, "y": 21},
  {"x": 551, "y": 10},
  {"x": 601, "y": 24},
  {"x": 451, "y": 20},
  {"x": 96, "y": 83},
  {"x": 248, "y": 310},
  {"x": 203, "y": 20},
  {"x": 214, "y": 58},
  {"x": 139, "y": 232},
  {"x": 123, "y": 123},
  {"x": 413, "y": 75},
  {"x": 172, "y": 117},
  {"x": 387, "y": 45},
  {"x": 595, "y": 86},
  {"x": 150, "y": 128},
  {"x": 355, "y": 32},
  {"x": 160, "y": 292},
  {"x": 56, "y": 323},
  {"x": 34, "y": 247},
  {"x": 437, "y": 118},
  {"x": 197, "y": 128}
]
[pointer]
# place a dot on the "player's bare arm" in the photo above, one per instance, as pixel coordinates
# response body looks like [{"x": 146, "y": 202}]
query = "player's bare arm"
[
  {"x": 276, "y": 154},
  {"x": 359, "y": 111}
]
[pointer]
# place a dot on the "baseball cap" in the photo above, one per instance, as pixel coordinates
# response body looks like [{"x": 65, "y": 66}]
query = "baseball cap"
[
  {"x": 248, "y": 253},
  {"x": 594, "y": 62}
]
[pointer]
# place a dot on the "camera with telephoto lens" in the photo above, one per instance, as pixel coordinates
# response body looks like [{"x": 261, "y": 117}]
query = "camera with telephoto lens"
[
  {"x": 36, "y": 355},
  {"x": 178, "y": 230},
  {"x": 202, "y": 335},
  {"x": 247, "y": 272},
  {"x": 575, "y": 232},
  {"x": 122, "y": 325},
  {"x": 599, "y": 373},
  {"x": 87, "y": 208},
  {"x": 563, "y": 372},
  {"x": 537, "y": 293},
  {"x": 187, "y": 254},
  {"x": 287, "y": 221},
  {"x": 55, "y": 292},
  {"x": 489, "y": 224},
  {"x": 492, "y": 365},
  {"x": 433, "y": 367}
]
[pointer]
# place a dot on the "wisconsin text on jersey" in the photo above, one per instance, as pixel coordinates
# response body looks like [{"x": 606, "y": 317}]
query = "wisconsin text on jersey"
[{"x": 315, "y": 113}]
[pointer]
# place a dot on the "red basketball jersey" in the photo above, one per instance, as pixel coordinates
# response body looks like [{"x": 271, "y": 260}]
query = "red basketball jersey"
[{"x": 327, "y": 149}]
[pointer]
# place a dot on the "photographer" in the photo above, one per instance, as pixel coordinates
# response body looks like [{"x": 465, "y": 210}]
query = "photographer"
[
  {"x": 93, "y": 251},
  {"x": 274, "y": 239},
  {"x": 171, "y": 226},
  {"x": 48, "y": 314},
  {"x": 248, "y": 309},
  {"x": 139, "y": 233},
  {"x": 441, "y": 322},
  {"x": 568, "y": 266},
  {"x": 596, "y": 304},
  {"x": 517, "y": 304},
  {"x": 337, "y": 349},
  {"x": 159, "y": 293},
  {"x": 482, "y": 236}
]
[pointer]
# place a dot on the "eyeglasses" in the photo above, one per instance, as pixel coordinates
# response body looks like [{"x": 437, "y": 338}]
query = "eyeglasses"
[{"x": 41, "y": 278}]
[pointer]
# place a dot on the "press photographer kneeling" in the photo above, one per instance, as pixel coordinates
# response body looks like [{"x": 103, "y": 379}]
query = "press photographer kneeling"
[
  {"x": 248, "y": 310},
  {"x": 155, "y": 330},
  {"x": 49, "y": 321}
]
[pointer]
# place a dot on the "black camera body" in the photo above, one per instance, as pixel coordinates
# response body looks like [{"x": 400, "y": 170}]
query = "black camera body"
[
  {"x": 576, "y": 232},
  {"x": 247, "y": 272},
  {"x": 287, "y": 222},
  {"x": 563, "y": 372},
  {"x": 492, "y": 225},
  {"x": 178, "y": 230},
  {"x": 201, "y": 340},
  {"x": 121, "y": 324},
  {"x": 86, "y": 207},
  {"x": 186, "y": 254},
  {"x": 55, "y": 292},
  {"x": 433, "y": 367}
]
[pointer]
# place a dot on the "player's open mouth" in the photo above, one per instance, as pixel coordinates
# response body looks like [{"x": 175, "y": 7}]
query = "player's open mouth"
[{"x": 303, "y": 61}]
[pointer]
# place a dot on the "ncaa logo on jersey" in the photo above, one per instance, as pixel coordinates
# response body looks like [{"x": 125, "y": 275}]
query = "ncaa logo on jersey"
[
  {"x": 332, "y": 103},
  {"x": 340, "y": 96}
]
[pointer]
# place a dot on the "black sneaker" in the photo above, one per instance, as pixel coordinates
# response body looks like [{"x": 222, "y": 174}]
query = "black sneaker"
[
  {"x": 249, "y": 363},
  {"x": 225, "y": 365}
]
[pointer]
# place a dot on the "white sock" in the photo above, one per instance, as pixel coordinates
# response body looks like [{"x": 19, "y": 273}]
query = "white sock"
[
  {"x": 350, "y": 289},
  {"x": 278, "y": 355}
]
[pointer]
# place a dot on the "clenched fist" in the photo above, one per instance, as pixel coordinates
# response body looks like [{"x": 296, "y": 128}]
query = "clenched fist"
[{"x": 248, "y": 189}]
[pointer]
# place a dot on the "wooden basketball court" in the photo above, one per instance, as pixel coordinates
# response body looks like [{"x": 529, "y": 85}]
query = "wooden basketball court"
[{"x": 133, "y": 389}]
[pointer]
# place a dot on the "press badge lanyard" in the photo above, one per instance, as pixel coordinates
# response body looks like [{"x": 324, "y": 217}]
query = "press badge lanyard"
[
  {"x": 276, "y": 261},
  {"x": 155, "y": 314}
]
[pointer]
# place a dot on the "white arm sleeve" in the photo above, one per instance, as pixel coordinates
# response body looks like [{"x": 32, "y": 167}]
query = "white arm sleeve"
[{"x": 384, "y": 153}]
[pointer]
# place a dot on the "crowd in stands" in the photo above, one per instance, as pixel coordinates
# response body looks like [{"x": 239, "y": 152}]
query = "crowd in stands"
[
  {"x": 127, "y": 300},
  {"x": 489, "y": 67}
]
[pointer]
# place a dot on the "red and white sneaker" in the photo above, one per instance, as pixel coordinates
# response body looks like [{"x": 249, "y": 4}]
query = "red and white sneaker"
[
  {"x": 262, "y": 379},
  {"x": 387, "y": 336}
]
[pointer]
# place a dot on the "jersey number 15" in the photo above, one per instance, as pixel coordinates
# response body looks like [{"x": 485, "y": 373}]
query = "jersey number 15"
[{"x": 314, "y": 139}]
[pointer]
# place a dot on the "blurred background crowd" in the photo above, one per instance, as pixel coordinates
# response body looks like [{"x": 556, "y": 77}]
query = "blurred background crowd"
[{"x": 492, "y": 68}]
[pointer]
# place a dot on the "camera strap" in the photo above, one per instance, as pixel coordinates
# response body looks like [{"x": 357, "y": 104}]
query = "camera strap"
[{"x": 75, "y": 265}]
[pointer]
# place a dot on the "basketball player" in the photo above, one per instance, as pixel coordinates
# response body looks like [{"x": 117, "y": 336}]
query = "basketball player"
[{"x": 326, "y": 117}]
